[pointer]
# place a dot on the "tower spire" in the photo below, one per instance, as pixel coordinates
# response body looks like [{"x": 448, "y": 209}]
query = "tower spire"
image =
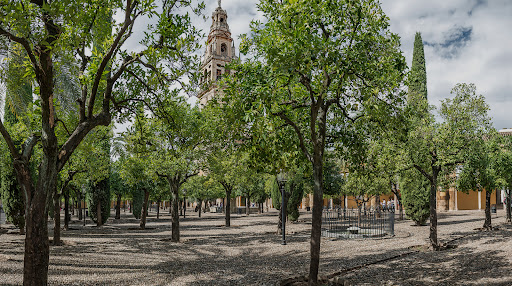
[{"x": 220, "y": 51}]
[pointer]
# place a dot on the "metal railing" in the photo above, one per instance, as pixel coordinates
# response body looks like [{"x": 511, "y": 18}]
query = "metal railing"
[{"x": 358, "y": 223}]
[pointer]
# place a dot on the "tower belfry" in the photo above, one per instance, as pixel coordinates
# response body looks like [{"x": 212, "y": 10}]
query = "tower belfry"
[{"x": 220, "y": 50}]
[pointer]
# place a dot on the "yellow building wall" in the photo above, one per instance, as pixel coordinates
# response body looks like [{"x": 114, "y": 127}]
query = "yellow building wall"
[
  {"x": 351, "y": 202},
  {"x": 470, "y": 201},
  {"x": 467, "y": 201}
]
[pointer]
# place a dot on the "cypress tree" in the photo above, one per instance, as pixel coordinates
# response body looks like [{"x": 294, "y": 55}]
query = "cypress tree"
[
  {"x": 415, "y": 196},
  {"x": 414, "y": 186},
  {"x": 99, "y": 193},
  {"x": 137, "y": 200},
  {"x": 418, "y": 76}
]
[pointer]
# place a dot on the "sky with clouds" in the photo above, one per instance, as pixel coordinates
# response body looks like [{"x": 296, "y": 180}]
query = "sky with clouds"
[{"x": 465, "y": 41}]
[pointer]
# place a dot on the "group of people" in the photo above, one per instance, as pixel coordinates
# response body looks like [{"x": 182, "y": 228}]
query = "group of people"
[{"x": 390, "y": 204}]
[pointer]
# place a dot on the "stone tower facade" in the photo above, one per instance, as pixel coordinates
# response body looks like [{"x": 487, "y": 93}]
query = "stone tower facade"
[{"x": 220, "y": 50}]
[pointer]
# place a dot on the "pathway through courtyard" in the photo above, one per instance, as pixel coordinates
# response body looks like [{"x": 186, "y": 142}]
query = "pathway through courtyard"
[{"x": 250, "y": 253}]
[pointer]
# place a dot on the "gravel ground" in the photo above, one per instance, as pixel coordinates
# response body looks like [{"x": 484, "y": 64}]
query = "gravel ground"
[{"x": 250, "y": 253}]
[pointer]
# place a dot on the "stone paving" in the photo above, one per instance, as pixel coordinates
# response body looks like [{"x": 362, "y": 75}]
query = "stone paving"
[{"x": 250, "y": 253}]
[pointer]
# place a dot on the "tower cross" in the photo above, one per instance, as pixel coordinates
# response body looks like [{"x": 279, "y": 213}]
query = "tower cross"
[{"x": 219, "y": 2}]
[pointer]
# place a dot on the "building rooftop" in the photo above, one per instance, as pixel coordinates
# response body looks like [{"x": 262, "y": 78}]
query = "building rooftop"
[{"x": 506, "y": 132}]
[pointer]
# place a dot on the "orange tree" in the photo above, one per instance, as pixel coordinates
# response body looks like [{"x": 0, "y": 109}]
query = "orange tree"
[
  {"x": 317, "y": 67},
  {"x": 110, "y": 78}
]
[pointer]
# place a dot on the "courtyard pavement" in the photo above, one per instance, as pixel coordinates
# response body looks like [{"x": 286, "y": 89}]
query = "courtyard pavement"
[{"x": 250, "y": 253}]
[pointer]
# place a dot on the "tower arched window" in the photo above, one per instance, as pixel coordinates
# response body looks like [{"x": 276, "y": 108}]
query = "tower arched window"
[{"x": 224, "y": 49}]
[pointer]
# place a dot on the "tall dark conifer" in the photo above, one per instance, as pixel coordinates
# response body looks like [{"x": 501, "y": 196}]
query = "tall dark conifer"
[
  {"x": 416, "y": 197},
  {"x": 418, "y": 80}
]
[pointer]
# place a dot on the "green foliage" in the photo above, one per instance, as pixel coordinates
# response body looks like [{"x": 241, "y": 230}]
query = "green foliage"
[
  {"x": 12, "y": 198},
  {"x": 418, "y": 74},
  {"x": 415, "y": 191},
  {"x": 251, "y": 184},
  {"x": 369, "y": 171},
  {"x": 18, "y": 98},
  {"x": 111, "y": 76},
  {"x": 18, "y": 89},
  {"x": 503, "y": 163},
  {"x": 177, "y": 137},
  {"x": 296, "y": 190},
  {"x": 98, "y": 193},
  {"x": 204, "y": 188},
  {"x": 272, "y": 187},
  {"x": 435, "y": 149},
  {"x": 333, "y": 178},
  {"x": 313, "y": 76},
  {"x": 137, "y": 194},
  {"x": 481, "y": 164},
  {"x": 118, "y": 185}
]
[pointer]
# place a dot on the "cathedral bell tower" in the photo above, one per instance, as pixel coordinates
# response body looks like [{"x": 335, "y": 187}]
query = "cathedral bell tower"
[{"x": 220, "y": 50}]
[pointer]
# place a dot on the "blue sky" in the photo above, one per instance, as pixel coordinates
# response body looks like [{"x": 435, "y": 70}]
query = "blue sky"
[{"x": 465, "y": 41}]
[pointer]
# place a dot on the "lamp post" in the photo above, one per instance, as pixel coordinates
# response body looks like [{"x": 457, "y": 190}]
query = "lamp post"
[{"x": 281, "y": 179}]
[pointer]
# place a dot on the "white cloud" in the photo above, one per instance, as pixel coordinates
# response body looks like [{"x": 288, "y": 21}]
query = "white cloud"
[
  {"x": 469, "y": 41},
  {"x": 483, "y": 59}
]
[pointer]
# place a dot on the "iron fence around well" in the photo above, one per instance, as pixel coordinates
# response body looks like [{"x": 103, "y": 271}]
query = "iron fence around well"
[{"x": 358, "y": 223}]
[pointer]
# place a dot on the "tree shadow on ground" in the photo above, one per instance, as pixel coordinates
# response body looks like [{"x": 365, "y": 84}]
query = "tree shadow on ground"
[
  {"x": 452, "y": 222},
  {"x": 458, "y": 266}
]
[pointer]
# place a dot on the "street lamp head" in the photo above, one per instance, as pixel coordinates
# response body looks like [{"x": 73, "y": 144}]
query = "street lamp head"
[{"x": 281, "y": 177}]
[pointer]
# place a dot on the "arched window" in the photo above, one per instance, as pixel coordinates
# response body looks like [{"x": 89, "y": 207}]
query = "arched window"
[{"x": 224, "y": 49}]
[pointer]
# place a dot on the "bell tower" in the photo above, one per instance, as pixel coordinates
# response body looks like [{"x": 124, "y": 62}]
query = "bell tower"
[{"x": 220, "y": 50}]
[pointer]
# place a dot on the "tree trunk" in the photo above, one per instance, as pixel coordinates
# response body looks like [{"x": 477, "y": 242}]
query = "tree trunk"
[
  {"x": 37, "y": 247},
  {"x": 184, "y": 207},
  {"x": 228, "y": 207},
  {"x": 79, "y": 202},
  {"x": 99, "y": 218},
  {"x": 401, "y": 215},
  {"x": 144, "y": 210},
  {"x": 200, "y": 206},
  {"x": 487, "y": 223},
  {"x": 118, "y": 207},
  {"x": 247, "y": 205},
  {"x": 84, "y": 210},
  {"x": 223, "y": 206},
  {"x": 175, "y": 218},
  {"x": 56, "y": 219},
  {"x": 158, "y": 210},
  {"x": 66, "y": 210},
  {"x": 433, "y": 209},
  {"x": 316, "y": 223},
  {"x": 508, "y": 208}
]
